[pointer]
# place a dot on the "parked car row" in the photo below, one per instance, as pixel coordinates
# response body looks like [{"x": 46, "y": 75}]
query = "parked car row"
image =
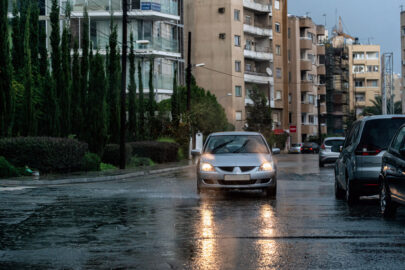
[
  {"x": 372, "y": 161},
  {"x": 308, "y": 147}
]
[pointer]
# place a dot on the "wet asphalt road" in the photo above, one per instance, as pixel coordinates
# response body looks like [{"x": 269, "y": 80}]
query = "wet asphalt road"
[{"x": 160, "y": 222}]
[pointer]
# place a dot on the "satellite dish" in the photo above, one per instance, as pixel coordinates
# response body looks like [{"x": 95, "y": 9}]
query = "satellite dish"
[{"x": 269, "y": 72}]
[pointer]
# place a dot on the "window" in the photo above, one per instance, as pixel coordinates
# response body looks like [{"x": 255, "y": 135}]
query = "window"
[
  {"x": 249, "y": 45},
  {"x": 278, "y": 27},
  {"x": 311, "y": 99},
  {"x": 372, "y": 68},
  {"x": 278, "y": 50},
  {"x": 238, "y": 91},
  {"x": 311, "y": 119},
  {"x": 359, "y": 83},
  {"x": 303, "y": 97},
  {"x": 372, "y": 83},
  {"x": 236, "y": 15},
  {"x": 289, "y": 55},
  {"x": 278, "y": 72},
  {"x": 303, "y": 118},
  {"x": 277, "y": 4},
  {"x": 360, "y": 97},
  {"x": 289, "y": 33},
  {"x": 372, "y": 55},
  {"x": 358, "y": 69},
  {"x": 278, "y": 95},
  {"x": 248, "y": 67},
  {"x": 289, "y": 118},
  {"x": 289, "y": 100},
  {"x": 403, "y": 31},
  {"x": 289, "y": 77},
  {"x": 248, "y": 20},
  {"x": 237, "y": 40},
  {"x": 358, "y": 56},
  {"x": 238, "y": 116},
  {"x": 238, "y": 66}
]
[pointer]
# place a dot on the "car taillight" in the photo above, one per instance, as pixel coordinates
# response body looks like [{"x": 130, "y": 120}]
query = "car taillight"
[
  {"x": 301, "y": 148},
  {"x": 323, "y": 146},
  {"x": 310, "y": 148},
  {"x": 367, "y": 150}
]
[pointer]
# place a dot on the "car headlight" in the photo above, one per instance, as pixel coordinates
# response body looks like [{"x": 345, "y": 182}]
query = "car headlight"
[
  {"x": 206, "y": 167},
  {"x": 267, "y": 166}
]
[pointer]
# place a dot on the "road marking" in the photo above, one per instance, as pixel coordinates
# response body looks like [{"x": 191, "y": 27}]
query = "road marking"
[{"x": 13, "y": 188}]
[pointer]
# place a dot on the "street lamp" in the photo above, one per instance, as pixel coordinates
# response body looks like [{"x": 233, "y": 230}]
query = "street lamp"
[{"x": 227, "y": 95}]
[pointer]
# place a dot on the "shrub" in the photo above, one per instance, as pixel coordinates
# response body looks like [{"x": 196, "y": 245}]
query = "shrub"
[
  {"x": 107, "y": 167},
  {"x": 141, "y": 161},
  {"x": 44, "y": 153},
  {"x": 91, "y": 162},
  {"x": 159, "y": 152},
  {"x": 6, "y": 169},
  {"x": 112, "y": 154}
]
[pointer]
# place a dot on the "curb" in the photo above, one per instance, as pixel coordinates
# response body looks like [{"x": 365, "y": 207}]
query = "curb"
[{"x": 90, "y": 180}]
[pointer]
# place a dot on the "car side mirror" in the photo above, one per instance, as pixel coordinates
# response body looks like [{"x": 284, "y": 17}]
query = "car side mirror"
[
  {"x": 402, "y": 152},
  {"x": 196, "y": 152}
]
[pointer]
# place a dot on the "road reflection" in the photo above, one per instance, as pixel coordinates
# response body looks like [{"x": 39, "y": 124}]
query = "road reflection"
[{"x": 266, "y": 247}]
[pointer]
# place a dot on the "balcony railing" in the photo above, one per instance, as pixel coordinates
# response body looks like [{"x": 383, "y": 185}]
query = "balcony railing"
[
  {"x": 257, "y": 5},
  {"x": 257, "y": 30},
  {"x": 258, "y": 53}
]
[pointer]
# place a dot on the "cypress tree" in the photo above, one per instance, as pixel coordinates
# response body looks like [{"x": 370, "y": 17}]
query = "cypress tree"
[
  {"x": 97, "y": 130},
  {"x": 84, "y": 70},
  {"x": 175, "y": 101},
  {"x": 34, "y": 37},
  {"x": 77, "y": 114},
  {"x": 132, "y": 124},
  {"x": 17, "y": 39},
  {"x": 6, "y": 93},
  {"x": 65, "y": 97},
  {"x": 113, "y": 87},
  {"x": 141, "y": 104},
  {"x": 151, "y": 100},
  {"x": 27, "y": 125},
  {"x": 43, "y": 52},
  {"x": 56, "y": 60}
]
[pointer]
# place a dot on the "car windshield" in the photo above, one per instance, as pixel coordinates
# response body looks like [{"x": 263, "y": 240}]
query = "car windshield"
[
  {"x": 379, "y": 132},
  {"x": 333, "y": 143},
  {"x": 236, "y": 144}
]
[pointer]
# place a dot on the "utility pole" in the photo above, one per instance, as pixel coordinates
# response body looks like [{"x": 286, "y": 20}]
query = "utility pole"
[
  {"x": 188, "y": 73},
  {"x": 318, "y": 101},
  {"x": 387, "y": 82},
  {"x": 124, "y": 83}
]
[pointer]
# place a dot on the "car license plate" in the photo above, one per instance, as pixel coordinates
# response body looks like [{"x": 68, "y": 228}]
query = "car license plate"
[{"x": 237, "y": 177}]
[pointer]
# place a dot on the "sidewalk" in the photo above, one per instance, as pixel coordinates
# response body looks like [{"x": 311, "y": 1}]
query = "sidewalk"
[{"x": 91, "y": 177}]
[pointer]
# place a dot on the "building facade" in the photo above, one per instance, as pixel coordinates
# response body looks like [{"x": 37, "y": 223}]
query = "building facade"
[
  {"x": 241, "y": 44},
  {"x": 403, "y": 57},
  {"x": 365, "y": 76},
  {"x": 156, "y": 26},
  {"x": 306, "y": 77}
]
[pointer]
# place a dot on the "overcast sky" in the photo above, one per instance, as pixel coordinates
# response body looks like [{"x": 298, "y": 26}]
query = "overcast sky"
[{"x": 376, "y": 21}]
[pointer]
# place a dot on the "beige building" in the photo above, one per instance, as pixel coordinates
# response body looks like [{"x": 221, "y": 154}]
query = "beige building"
[
  {"x": 403, "y": 56},
  {"x": 306, "y": 77},
  {"x": 365, "y": 76},
  {"x": 241, "y": 44}
]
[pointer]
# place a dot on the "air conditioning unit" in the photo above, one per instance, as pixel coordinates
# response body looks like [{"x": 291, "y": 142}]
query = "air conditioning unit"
[
  {"x": 221, "y": 10},
  {"x": 222, "y": 36}
]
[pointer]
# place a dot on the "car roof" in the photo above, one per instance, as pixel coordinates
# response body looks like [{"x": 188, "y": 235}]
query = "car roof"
[
  {"x": 334, "y": 138},
  {"x": 234, "y": 133},
  {"x": 387, "y": 116}
]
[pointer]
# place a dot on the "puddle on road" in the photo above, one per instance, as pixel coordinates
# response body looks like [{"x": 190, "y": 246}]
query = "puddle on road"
[{"x": 14, "y": 188}]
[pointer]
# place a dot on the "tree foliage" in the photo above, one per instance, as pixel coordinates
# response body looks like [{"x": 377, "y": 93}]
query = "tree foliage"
[
  {"x": 132, "y": 108},
  {"x": 259, "y": 114},
  {"x": 376, "y": 109}
]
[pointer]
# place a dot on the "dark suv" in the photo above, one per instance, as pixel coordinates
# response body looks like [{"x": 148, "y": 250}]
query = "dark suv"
[
  {"x": 358, "y": 167},
  {"x": 392, "y": 177}
]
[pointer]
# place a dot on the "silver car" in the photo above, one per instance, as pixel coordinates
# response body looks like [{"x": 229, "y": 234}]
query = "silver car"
[
  {"x": 359, "y": 164},
  {"x": 330, "y": 150},
  {"x": 295, "y": 148},
  {"x": 236, "y": 160}
]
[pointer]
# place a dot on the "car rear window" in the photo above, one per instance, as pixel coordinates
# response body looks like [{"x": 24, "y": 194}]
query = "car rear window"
[
  {"x": 307, "y": 145},
  {"x": 296, "y": 145},
  {"x": 379, "y": 132},
  {"x": 334, "y": 142}
]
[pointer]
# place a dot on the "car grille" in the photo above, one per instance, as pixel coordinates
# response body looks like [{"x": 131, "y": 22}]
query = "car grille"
[
  {"x": 243, "y": 168},
  {"x": 239, "y": 183}
]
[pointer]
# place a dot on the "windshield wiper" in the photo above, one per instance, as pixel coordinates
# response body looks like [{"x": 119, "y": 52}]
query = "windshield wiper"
[
  {"x": 243, "y": 146},
  {"x": 220, "y": 146}
]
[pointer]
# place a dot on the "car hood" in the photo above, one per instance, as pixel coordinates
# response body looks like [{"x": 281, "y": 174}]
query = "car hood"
[{"x": 228, "y": 160}]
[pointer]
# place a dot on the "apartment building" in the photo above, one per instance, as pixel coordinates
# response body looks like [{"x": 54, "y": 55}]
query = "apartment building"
[
  {"x": 306, "y": 77},
  {"x": 156, "y": 26},
  {"x": 365, "y": 76},
  {"x": 403, "y": 57},
  {"x": 241, "y": 44}
]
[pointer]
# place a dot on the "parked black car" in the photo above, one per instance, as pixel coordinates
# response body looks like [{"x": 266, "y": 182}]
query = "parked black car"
[
  {"x": 310, "y": 147},
  {"x": 392, "y": 176}
]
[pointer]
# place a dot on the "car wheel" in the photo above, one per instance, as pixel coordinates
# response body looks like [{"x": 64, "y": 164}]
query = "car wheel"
[
  {"x": 351, "y": 197},
  {"x": 339, "y": 192},
  {"x": 387, "y": 206}
]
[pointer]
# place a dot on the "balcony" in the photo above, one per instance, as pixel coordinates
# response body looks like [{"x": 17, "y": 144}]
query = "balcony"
[
  {"x": 320, "y": 48},
  {"x": 307, "y": 86},
  {"x": 321, "y": 70},
  {"x": 258, "y": 31},
  {"x": 320, "y": 30},
  {"x": 307, "y": 108},
  {"x": 259, "y": 54},
  {"x": 306, "y": 65},
  {"x": 306, "y": 22},
  {"x": 305, "y": 43},
  {"x": 307, "y": 128},
  {"x": 323, "y": 108},
  {"x": 158, "y": 10},
  {"x": 256, "y": 5},
  {"x": 258, "y": 78},
  {"x": 322, "y": 89}
]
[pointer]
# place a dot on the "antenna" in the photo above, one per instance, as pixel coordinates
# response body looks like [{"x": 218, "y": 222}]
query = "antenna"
[{"x": 325, "y": 18}]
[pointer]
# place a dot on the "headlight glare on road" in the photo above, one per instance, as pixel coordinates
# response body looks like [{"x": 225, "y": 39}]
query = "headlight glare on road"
[
  {"x": 206, "y": 167},
  {"x": 267, "y": 166}
]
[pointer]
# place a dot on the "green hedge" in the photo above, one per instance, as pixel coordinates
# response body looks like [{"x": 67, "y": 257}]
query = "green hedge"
[
  {"x": 159, "y": 152},
  {"x": 91, "y": 162},
  {"x": 112, "y": 154},
  {"x": 6, "y": 169},
  {"x": 44, "y": 153}
]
